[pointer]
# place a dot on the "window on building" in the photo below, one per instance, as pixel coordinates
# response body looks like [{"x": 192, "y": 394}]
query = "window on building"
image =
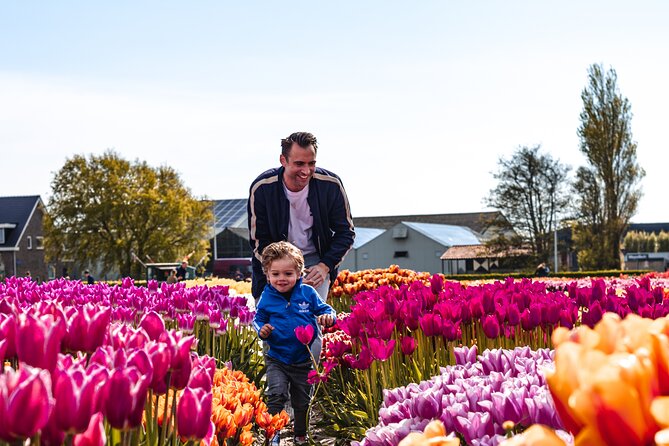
[
  {"x": 401, "y": 254},
  {"x": 2, "y": 236},
  {"x": 29, "y": 240},
  {"x": 230, "y": 245},
  {"x": 39, "y": 242}
]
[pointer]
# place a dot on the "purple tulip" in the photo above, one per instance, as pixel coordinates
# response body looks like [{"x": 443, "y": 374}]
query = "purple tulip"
[
  {"x": 194, "y": 414},
  {"x": 25, "y": 402},
  {"x": 86, "y": 327},
  {"x": 431, "y": 324}
]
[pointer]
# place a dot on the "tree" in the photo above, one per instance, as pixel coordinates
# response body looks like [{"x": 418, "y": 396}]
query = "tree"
[
  {"x": 530, "y": 193},
  {"x": 607, "y": 188},
  {"x": 105, "y": 209}
]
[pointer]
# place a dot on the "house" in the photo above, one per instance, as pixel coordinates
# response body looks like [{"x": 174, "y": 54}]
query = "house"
[
  {"x": 463, "y": 259},
  {"x": 354, "y": 256},
  {"x": 486, "y": 224},
  {"x": 231, "y": 252},
  {"x": 21, "y": 237},
  {"x": 415, "y": 246}
]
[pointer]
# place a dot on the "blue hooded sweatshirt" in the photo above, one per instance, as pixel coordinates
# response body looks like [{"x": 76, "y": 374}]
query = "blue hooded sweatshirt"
[{"x": 285, "y": 315}]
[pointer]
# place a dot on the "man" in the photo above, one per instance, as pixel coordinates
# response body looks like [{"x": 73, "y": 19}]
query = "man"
[
  {"x": 182, "y": 271},
  {"x": 304, "y": 205},
  {"x": 90, "y": 280}
]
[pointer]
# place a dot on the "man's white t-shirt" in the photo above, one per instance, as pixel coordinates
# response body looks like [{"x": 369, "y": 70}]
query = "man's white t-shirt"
[{"x": 301, "y": 221}]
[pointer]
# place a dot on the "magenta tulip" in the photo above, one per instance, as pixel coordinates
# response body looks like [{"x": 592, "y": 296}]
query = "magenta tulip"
[
  {"x": 124, "y": 397},
  {"x": 305, "y": 334},
  {"x": 381, "y": 350},
  {"x": 408, "y": 345},
  {"x": 38, "y": 340},
  {"x": 8, "y": 334},
  {"x": 86, "y": 327},
  {"x": 94, "y": 434},
  {"x": 160, "y": 355},
  {"x": 153, "y": 324},
  {"x": 363, "y": 361},
  {"x": 75, "y": 390},
  {"x": 490, "y": 326},
  {"x": 25, "y": 402},
  {"x": 194, "y": 414}
]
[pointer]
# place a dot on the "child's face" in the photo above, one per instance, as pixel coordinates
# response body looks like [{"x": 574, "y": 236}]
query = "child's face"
[{"x": 282, "y": 274}]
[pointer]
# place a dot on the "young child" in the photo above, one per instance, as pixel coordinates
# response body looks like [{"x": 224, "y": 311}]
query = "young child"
[{"x": 287, "y": 303}]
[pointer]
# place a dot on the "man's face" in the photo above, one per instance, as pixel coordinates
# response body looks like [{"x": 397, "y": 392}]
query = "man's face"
[{"x": 300, "y": 166}]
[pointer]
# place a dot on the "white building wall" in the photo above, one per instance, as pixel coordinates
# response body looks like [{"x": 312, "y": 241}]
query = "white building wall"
[{"x": 423, "y": 253}]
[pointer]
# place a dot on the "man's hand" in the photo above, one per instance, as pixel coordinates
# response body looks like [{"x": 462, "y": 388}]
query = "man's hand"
[
  {"x": 316, "y": 275},
  {"x": 265, "y": 331},
  {"x": 325, "y": 320}
]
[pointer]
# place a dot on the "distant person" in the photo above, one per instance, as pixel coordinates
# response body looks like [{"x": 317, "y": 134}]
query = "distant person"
[
  {"x": 90, "y": 280},
  {"x": 28, "y": 275},
  {"x": 238, "y": 276},
  {"x": 285, "y": 304},
  {"x": 304, "y": 205},
  {"x": 542, "y": 270},
  {"x": 172, "y": 277},
  {"x": 182, "y": 271}
]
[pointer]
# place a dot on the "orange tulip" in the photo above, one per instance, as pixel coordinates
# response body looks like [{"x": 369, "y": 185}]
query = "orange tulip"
[
  {"x": 536, "y": 435},
  {"x": 434, "y": 435}
]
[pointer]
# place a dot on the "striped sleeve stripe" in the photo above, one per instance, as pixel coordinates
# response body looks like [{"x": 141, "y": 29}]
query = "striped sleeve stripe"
[{"x": 252, "y": 199}]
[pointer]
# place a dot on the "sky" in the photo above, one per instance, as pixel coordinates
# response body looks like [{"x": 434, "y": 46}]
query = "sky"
[{"x": 413, "y": 103}]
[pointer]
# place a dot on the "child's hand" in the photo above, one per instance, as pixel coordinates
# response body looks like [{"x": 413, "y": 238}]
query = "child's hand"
[
  {"x": 265, "y": 331},
  {"x": 325, "y": 320}
]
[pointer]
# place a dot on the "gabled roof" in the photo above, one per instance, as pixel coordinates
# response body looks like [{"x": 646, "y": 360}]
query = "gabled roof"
[
  {"x": 365, "y": 235},
  {"x": 229, "y": 214},
  {"x": 447, "y": 235},
  {"x": 477, "y": 221},
  {"x": 16, "y": 211},
  {"x": 464, "y": 252},
  {"x": 648, "y": 227}
]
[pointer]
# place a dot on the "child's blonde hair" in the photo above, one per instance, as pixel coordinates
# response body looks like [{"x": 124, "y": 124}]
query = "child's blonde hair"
[{"x": 280, "y": 250}]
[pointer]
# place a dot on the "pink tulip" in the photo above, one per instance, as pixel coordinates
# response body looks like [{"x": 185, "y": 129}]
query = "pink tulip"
[
  {"x": 160, "y": 355},
  {"x": 181, "y": 364},
  {"x": 305, "y": 334},
  {"x": 25, "y": 402},
  {"x": 363, "y": 362},
  {"x": 194, "y": 413},
  {"x": 94, "y": 434},
  {"x": 38, "y": 340}
]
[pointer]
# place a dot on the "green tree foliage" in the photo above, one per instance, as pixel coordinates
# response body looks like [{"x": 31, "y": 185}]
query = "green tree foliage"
[
  {"x": 530, "y": 193},
  {"x": 663, "y": 241},
  {"x": 607, "y": 189},
  {"x": 106, "y": 209}
]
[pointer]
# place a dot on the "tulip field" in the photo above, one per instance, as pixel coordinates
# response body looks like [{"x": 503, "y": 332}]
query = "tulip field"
[{"x": 412, "y": 360}]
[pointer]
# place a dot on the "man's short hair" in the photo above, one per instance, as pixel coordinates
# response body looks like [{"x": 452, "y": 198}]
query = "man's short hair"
[
  {"x": 86, "y": 271},
  {"x": 280, "y": 250},
  {"x": 303, "y": 139}
]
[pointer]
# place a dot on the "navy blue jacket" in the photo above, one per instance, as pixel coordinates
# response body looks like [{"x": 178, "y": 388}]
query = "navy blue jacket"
[
  {"x": 269, "y": 214},
  {"x": 284, "y": 315}
]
